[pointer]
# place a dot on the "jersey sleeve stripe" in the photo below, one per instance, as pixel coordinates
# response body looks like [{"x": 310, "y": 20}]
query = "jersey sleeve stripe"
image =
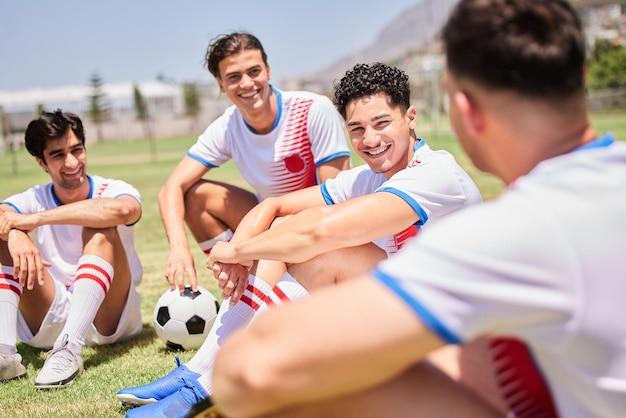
[
  {"x": 331, "y": 157},
  {"x": 200, "y": 160},
  {"x": 326, "y": 195},
  {"x": 425, "y": 315},
  {"x": 15, "y": 208},
  {"x": 419, "y": 210}
]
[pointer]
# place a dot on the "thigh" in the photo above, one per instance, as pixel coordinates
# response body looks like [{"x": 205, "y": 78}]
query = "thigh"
[
  {"x": 228, "y": 203},
  {"x": 41, "y": 331},
  {"x": 336, "y": 266},
  {"x": 422, "y": 391}
]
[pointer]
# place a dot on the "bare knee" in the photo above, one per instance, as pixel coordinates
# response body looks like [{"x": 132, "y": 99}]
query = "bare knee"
[{"x": 99, "y": 236}]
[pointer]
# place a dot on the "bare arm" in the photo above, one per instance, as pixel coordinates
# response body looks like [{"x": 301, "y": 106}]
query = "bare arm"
[
  {"x": 325, "y": 228},
  {"x": 285, "y": 358},
  {"x": 93, "y": 213},
  {"x": 260, "y": 218},
  {"x": 172, "y": 208},
  {"x": 330, "y": 169}
]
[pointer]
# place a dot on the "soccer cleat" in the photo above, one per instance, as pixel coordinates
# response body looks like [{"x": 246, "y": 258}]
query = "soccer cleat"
[
  {"x": 61, "y": 368},
  {"x": 11, "y": 366},
  {"x": 159, "y": 389},
  {"x": 178, "y": 404},
  {"x": 204, "y": 409}
]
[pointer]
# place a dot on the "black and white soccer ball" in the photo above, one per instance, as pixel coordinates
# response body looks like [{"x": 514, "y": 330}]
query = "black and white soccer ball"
[{"x": 183, "y": 320}]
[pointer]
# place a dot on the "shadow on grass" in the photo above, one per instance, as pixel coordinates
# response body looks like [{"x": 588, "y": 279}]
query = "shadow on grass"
[{"x": 101, "y": 354}]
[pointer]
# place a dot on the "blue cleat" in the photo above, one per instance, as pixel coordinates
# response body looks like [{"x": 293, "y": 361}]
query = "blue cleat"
[
  {"x": 159, "y": 389},
  {"x": 178, "y": 404}
]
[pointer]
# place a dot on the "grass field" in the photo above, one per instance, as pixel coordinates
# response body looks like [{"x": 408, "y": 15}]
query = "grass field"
[{"x": 110, "y": 368}]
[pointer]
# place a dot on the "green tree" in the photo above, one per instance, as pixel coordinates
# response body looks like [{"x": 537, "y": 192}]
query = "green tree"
[
  {"x": 98, "y": 109},
  {"x": 191, "y": 100},
  {"x": 141, "y": 111},
  {"x": 39, "y": 109},
  {"x": 9, "y": 146},
  {"x": 607, "y": 66}
]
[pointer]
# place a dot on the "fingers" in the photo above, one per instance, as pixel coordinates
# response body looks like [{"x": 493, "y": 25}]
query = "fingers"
[
  {"x": 191, "y": 273},
  {"x": 242, "y": 282},
  {"x": 39, "y": 266}
]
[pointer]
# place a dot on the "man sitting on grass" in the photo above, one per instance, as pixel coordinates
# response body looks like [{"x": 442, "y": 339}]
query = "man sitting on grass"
[
  {"x": 544, "y": 262},
  {"x": 328, "y": 237},
  {"x": 68, "y": 267}
]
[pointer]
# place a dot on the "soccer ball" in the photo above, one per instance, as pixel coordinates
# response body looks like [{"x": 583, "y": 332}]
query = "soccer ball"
[{"x": 183, "y": 320}]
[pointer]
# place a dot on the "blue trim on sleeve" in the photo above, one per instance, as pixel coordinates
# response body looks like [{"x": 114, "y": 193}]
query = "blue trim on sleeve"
[
  {"x": 410, "y": 201},
  {"x": 12, "y": 205},
  {"x": 200, "y": 160},
  {"x": 90, "y": 194},
  {"x": 331, "y": 157},
  {"x": 432, "y": 322},
  {"x": 54, "y": 196},
  {"x": 327, "y": 198},
  {"x": 279, "y": 113}
]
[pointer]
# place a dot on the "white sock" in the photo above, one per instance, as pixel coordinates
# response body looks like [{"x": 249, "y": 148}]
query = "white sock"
[
  {"x": 258, "y": 297},
  {"x": 10, "y": 292},
  {"x": 207, "y": 245},
  {"x": 92, "y": 281},
  {"x": 229, "y": 319},
  {"x": 287, "y": 289}
]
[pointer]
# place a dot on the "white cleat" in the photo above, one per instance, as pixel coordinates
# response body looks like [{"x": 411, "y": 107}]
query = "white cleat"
[
  {"x": 11, "y": 367},
  {"x": 62, "y": 366}
]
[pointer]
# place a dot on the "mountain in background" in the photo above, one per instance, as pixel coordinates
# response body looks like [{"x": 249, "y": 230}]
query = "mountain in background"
[{"x": 414, "y": 29}]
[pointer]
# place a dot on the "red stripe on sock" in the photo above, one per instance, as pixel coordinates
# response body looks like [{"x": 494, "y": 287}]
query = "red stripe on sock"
[
  {"x": 8, "y": 277},
  {"x": 96, "y": 268},
  {"x": 92, "y": 277},
  {"x": 281, "y": 295},
  {"x": 245, "y": 299},
  {"x": 17, "y": 290},
  {"x": 259, "y": 293}
]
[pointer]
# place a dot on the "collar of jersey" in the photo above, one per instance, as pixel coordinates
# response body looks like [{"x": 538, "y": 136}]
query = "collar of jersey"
[
  {"x": 602, "y": 142},
  {"x": 56, "y": 198},
  {"x": 279, "y": 107},
  {"x": 419, "y": 144}
]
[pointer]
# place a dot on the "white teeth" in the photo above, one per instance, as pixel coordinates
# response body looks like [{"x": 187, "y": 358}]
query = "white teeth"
[
  {"x": 378, "y": 150},
  {"x": 248, "y": 95}
]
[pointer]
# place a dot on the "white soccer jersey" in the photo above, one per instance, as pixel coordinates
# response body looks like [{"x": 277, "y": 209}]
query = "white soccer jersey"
[
  {"x": 433, "y": 184},
  {"x": 546, "y": 263},
  {"x": 62, "y": 245},
  {"x": 307, "y": 132}
]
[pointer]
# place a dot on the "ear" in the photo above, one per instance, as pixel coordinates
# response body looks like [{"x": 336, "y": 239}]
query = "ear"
[
  {"x": 42, "y": 164},
  {"x": 470, "y": 112},
  {"x": 411, "y": 113}
]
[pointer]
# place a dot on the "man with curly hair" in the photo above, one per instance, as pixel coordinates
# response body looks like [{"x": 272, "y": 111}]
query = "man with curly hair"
[
  {"x": 543, "y": 263},
  {"x": 342, "y": 228}
]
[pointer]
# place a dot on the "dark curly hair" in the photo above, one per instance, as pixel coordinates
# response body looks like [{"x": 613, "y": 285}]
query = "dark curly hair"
[
  {"x": 225, "y": 45},
  {"x": 368, "y": 79},
  {"x": 49, "y": 126},
  {"x": 533, "y": 47}
]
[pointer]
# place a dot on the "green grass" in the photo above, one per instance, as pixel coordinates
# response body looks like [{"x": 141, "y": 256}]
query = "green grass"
[{"x": 110, "y": 368}]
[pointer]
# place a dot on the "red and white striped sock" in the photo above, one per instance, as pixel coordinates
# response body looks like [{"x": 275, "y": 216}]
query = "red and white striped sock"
[
  {"x": 91, "y": 283},
  {"x": 287, "y": 289},
  {"x": 10, "y": 293},
  {"x": 207, "y": 245},
  {"x": 256, "y": 299}
]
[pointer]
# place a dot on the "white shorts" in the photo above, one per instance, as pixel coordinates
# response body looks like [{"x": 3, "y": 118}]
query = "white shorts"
[{"x": 53, "y": 322}]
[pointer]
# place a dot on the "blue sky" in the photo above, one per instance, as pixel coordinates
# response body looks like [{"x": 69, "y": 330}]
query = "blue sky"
[{"x": 45, "y": 43}]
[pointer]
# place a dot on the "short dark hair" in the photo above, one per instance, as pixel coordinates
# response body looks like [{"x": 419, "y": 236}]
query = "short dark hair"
[
  {"x": 225, "y": 45},
  {"x": 51, "y": 125},
  {"x": 368, "y": 79},
  {"x": 533, "y": 47}
]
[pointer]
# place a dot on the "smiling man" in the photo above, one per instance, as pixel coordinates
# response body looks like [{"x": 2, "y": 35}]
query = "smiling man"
[
  {"x": 281, "y": 141},
  {"x": 68, "y": 267},
  {"x": 336, "y": 230}
]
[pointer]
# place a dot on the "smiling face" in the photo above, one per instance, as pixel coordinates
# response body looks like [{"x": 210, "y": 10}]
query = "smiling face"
[
  {"x": 244, "y": 78},
  {"x": 382, "y": 134},
  {"x": 64, "y": 159}
]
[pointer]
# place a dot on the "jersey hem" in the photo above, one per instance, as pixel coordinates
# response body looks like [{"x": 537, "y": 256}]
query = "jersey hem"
[
  {"x": 326, "y": 195},
  {"x": 332, "y": 157},
  {"x": 12, "y": 205},
  {"x": 419, "y": 210},
  {"x": 200, "y": 160}
]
